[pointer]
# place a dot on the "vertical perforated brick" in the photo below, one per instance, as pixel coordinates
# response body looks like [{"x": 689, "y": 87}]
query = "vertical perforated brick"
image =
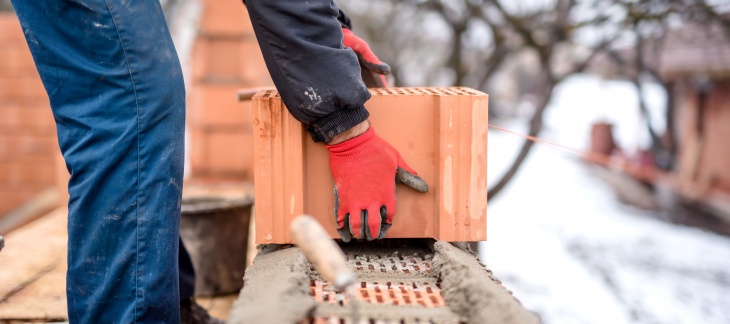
[{"x": 440, "y": 132}]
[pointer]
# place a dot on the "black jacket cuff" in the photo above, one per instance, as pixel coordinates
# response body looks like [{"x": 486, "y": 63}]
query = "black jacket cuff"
[{"x": 327, "y": 127}]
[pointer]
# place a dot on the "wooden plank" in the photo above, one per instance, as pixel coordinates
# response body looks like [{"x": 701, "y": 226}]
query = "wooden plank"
[
  {"x": 42, "y": 300},
  {"x": 33, "y": 269},
  {"x": 219, "y": 307}
]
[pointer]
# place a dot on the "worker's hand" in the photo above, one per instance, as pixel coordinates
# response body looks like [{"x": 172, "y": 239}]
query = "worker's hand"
[
  {"x": 365, "y": 55},
  {"x": 365, "y": 169}
]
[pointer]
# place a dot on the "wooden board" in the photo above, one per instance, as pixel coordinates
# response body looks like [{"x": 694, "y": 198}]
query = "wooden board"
[{"x": 33, "y": 270}]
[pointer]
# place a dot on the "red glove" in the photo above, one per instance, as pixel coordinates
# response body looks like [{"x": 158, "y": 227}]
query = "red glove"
[
  {"x": 365, "y": 55},
  {"x": 365, "y": 169}
]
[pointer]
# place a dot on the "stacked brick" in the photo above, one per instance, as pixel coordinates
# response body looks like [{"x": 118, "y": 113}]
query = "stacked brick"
[
  {"x": 440, "y": 132},
  {"x": 28, "y": 145},
  {"x": 225, "y": 59}
]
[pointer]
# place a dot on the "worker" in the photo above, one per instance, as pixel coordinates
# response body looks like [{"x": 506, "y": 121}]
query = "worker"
[{"x": 116, "y": 91}]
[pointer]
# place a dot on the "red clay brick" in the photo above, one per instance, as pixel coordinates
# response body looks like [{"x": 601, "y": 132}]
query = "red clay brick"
[
  {"x": 221, "y": 153},
  {"x": 23, "y": 87},
  {"x": 16, "y": 60},
  {"x": 12, "y": 145},
  {"x": 216, "y": 106},
  {"x": 440, "y": 132},
  {"x": 229, "y": 152},
  {"x": 17, "y": 115},
  {"x": 61, "y": 178},
  {"x": 22, "y": 173},
  {"x": 10, "y": 29},
  {"x": 217, "y": 60},
  {"x": 225, "y": 17},
  {"x": 253, "y": 68}
]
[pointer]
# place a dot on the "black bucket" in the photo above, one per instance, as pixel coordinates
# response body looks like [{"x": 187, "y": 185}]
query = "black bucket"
[{"x": 215, "y": 233}]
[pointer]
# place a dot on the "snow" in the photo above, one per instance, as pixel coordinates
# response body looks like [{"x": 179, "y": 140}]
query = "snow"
[{"x": 565, "y": 246}]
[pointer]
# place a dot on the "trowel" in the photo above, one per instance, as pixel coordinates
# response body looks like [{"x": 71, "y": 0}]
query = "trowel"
[{"x": 327, "y": 258}]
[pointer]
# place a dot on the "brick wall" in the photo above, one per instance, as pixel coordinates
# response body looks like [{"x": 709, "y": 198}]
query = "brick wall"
[
  {"x": 225, "y": 58},
  {"x": 28, "y": 145}
]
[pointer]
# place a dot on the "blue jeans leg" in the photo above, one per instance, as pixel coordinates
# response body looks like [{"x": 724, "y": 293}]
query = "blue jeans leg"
[{"x": 116, "y": 90}]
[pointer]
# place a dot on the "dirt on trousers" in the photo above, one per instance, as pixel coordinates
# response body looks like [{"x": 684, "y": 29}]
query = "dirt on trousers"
[{"x": 282, "y": 287}]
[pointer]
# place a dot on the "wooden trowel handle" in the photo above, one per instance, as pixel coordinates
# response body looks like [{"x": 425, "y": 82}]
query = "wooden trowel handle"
[{"x": 322, "y": 251}]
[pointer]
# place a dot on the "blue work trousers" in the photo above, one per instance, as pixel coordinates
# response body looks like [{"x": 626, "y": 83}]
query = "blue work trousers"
[{"x": 116, "y": 90}]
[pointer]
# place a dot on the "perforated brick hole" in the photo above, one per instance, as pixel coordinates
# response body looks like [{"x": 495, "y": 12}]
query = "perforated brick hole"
[{"x": 394, "y": 264}]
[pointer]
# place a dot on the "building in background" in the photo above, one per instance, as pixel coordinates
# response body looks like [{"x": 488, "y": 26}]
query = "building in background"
[
  {"x": 220, "y": 56},
  {"x": 696, "y": 61}
]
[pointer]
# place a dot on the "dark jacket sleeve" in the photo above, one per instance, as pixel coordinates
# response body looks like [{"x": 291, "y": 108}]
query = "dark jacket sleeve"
[
  {"x": 344, "y": 19},
  {"x": 317, "y": 77}
]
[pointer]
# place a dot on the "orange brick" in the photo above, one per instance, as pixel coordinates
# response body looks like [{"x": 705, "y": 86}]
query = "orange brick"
[
  {"x": 216, "y": 106},
  {"x": 440, "y": 132},
  {"x": 62, "y": 177},
  {"x": 253, "y": 69},
  {"x": 225, "y": 17},
  {"x": 16, "y": 60},
  {"x": 18, "y": 145},
  {"x": 217, "y": 60},
  {"x": 230, "y": 153},
  {"x": 197, "y": 151},
  {"x": 10, "y": 31},
  {"x": 22, "y": 87},
  {"x": 17, "y": 115},
  {"x": 221, "y": 153},
  {"x": 21, "y": 173}
]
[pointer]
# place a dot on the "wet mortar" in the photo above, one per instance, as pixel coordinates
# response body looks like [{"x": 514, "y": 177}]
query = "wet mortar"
[{"x": 397, "y": 281}]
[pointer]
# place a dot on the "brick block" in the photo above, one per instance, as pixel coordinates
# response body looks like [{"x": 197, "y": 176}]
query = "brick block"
[
  {"x": 14, "y": 115},
  {"x": 440, "y": 132},
  {"x": 16, "y": 60},
  {"x": 221, "y": 153},
  {"x": 19, "y": 145},
  {"x": 253, "y": 69},
  {"x": 61, "y": 179},
  {"x": 10, "y": 31},
  {"x": 21, "y": 173},
  {"x": 225, "y": 17},
  {"x": 215, "y": 106},
  {"x": 224, "y": 60},
  {"x": 22, "y": 87},
  {"x": 217, "y": 60}
]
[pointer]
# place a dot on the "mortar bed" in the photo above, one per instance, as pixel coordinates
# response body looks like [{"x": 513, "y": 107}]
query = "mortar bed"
[{"x": 392, "y": 278}]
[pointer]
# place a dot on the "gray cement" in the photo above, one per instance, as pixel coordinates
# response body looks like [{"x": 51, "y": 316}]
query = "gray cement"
[
  {"x": 275, "y": 288},
  {"x": 474, "y": 293}
]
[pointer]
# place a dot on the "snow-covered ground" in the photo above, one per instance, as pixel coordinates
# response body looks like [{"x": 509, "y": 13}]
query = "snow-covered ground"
[{"x": 570, "y": 251}]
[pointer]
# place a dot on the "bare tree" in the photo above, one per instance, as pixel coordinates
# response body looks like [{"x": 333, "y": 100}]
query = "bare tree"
[{"x": 554, "y": 34}]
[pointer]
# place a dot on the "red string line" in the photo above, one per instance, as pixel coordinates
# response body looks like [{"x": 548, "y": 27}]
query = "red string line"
[{"x": 594, "y": 157}]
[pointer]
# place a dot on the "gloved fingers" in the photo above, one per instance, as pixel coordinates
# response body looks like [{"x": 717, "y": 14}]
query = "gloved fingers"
[
  {"x": 364, "y": 53},
  {"x": 410, "y": 179},
  {"x": 357, "y": 224},
  {"x": 344, "y": 230},
  {"x": 343, "y": 220},
  {"x": 372, "y": 222},
  {"x": 375, "y": 66},
  {"x": 386, "y": 217}
]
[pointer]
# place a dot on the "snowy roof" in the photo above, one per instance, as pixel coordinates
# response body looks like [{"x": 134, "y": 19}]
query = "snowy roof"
[{"x": 697, "y": 49}]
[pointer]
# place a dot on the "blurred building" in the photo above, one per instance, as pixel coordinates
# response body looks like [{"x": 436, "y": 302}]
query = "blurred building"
[
  {"x": 696, "y": 62},
  {"x": 220, "y": 56}
]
